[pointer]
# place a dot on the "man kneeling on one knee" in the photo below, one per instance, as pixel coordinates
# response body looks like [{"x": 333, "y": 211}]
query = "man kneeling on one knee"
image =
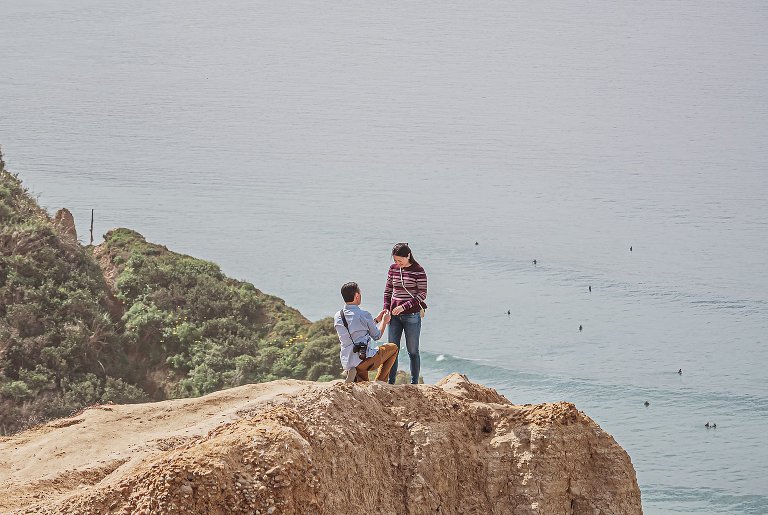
[{"x": 358, "y": 332}]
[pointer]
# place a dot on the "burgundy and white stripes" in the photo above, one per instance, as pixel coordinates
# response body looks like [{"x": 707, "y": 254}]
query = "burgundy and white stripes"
[{"x": 415, "y": 279}]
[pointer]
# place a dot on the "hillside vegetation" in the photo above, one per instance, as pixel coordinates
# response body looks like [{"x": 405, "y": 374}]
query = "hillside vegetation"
[
  {"x": 198, "y": 331},
  {"x": 131, "y": 321}
]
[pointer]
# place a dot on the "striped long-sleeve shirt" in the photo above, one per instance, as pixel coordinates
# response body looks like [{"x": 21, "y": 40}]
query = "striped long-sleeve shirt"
[{"x": 415, "y": 279}]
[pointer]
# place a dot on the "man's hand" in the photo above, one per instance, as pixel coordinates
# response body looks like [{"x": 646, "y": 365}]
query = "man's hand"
[
  {"x": 398, "y": 310},
  {"x": 383, "y": 319},
  {"x": 380, "y": 315}
]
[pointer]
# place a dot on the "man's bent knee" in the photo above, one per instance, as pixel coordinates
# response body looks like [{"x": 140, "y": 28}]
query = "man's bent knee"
[{"x": 390, "y": 347}]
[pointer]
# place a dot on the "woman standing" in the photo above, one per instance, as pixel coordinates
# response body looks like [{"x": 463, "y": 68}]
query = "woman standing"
[{"x": 404, "y": 297}]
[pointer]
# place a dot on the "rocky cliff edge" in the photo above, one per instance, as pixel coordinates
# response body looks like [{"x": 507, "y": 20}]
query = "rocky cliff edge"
[{"x": 326, "y": 448}]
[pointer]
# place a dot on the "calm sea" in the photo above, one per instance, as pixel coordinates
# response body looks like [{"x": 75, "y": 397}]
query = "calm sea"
[{"x": 295, "y": 142}]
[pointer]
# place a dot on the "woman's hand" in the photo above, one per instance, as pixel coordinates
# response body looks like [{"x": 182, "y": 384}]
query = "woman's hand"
[
  {"x": 380, "y": 316},
  {"x": 398, "y": 310}
]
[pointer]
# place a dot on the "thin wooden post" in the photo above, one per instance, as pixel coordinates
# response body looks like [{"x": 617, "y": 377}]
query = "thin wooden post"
[{"x": 91, "y": 227}]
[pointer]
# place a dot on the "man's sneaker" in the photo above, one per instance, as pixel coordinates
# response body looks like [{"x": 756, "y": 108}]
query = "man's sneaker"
[{"x": 351, "y": 374}]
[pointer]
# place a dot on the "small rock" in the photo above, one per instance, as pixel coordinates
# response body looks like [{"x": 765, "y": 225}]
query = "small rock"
[{"x": 186, "y": 490}]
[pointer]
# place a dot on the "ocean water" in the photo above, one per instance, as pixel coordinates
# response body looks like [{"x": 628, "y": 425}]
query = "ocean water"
[{"x": 294, "y": 144}]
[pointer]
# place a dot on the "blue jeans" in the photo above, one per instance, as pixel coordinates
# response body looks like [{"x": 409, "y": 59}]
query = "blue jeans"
[{"x": 411, "y": 324}]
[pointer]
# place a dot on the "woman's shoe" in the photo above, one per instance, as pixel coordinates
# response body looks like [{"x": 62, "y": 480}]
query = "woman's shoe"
[{"x": 351, "y": 374}]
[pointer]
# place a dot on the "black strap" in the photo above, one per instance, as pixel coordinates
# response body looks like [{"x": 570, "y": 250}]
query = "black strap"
[
  {"x": 344, "y": 320},
  {"x": 361, "y": 354}
]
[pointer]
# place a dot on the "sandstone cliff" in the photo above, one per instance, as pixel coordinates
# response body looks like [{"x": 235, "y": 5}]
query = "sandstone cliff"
[{"x": 326, "y": 448}]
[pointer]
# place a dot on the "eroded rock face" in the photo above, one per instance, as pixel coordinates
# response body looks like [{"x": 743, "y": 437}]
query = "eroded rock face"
[
  {"x": 65, "y": 223},
  {"x": 455, "y": 447}
]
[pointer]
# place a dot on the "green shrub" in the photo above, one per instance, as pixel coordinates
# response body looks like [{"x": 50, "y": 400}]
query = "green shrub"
[
  {"x": 16, "y": 390},
  {"x": 83, "y": 391},
  {"x": 145, "y": 323},
  {"x": 120, "y": 392},
  {"x": 38, "y": 379}
]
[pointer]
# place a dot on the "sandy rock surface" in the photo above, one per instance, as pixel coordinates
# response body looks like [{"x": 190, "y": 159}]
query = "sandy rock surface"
[{"x": 326, "y": 448}]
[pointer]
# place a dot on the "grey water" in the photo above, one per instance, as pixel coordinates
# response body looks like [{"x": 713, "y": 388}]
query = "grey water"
[{"x": 295, "y": 142}]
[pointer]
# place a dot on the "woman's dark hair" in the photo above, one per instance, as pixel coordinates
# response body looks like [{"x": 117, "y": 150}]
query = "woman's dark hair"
[
  {"x": 403, "y": 250},
  {"x": 348, "y": 291}
]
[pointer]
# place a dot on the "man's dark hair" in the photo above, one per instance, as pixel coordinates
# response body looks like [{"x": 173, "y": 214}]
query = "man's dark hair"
[{"x": 348, "y": 291}]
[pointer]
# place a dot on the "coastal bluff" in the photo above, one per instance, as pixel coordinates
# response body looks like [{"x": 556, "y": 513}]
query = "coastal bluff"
[{"x": 293, "y": 446}]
